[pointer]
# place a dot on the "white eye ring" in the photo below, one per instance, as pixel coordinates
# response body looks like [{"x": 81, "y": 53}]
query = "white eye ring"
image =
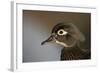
[{"x": 62, "y": 32}]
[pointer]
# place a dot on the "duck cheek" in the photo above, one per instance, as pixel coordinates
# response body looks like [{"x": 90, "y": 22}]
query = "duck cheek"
[{"x": 61, "y": 38}]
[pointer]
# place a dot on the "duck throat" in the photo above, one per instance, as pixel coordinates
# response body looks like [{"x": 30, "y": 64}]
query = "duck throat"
[{"x": 61, "y": 43}]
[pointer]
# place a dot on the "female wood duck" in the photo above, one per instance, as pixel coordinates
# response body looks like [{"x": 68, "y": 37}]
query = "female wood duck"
[{"x": 69, "y": 36}]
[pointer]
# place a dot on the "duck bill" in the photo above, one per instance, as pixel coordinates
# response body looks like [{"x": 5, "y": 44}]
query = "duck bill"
[{"x": 48, "y": 40}]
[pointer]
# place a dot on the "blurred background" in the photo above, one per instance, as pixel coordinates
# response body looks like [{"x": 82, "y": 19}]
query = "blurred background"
[{"x": 37, "y": 26}]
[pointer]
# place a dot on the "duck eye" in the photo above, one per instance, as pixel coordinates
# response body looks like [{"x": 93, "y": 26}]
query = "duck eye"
[{"x": 62, "y": 32}]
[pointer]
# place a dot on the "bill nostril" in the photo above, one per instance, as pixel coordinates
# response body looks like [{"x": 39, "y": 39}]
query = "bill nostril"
[{"x": 51, "y": 38}]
